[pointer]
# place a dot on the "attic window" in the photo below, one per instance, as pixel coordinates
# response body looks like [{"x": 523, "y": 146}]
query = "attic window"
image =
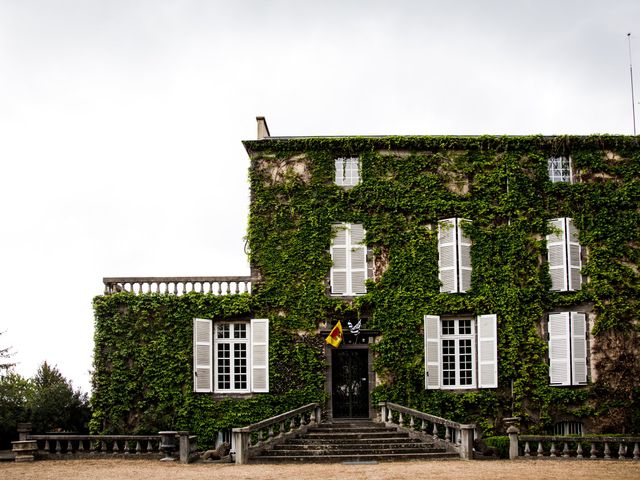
[
  {"x": 560, "y": 169},
  {"x": 347, "y": 171}
]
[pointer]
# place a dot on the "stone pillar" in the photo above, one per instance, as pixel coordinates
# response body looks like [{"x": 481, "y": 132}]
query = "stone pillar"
[
  {"x": 241, "y": 444},
  {"x": 168, "y": 444},
  {"x": 185, "y": 447},
  {"x": 317, "y": 413},
  {"x": 24, "y": 431},
  {"x": 513, "y": 431},
  {"x": 24, "y": 450},
  {"x": 466, "y": 442}
]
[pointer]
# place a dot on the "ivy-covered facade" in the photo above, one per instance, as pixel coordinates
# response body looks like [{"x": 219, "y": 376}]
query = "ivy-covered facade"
[{"x": 475, "y": 278}]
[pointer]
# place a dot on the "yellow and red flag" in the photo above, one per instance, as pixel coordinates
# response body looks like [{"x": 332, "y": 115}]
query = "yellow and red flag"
[{"x": 335, "y": 337}]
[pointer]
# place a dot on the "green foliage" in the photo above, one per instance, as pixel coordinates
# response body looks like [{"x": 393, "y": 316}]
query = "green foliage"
[
  {"x": 501, "y": 443},
  {"x": 142, "y": 376},
  {"x": 14, "y": 394}
]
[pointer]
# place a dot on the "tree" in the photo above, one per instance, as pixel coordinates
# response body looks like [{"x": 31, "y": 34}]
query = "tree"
[
  {"x": 15, "y": 392},
  {"x": 55, "y": 405},
  {"x": 4, "y": 354}
]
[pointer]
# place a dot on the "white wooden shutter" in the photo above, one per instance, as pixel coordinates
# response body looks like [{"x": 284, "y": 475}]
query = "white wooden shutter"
[
  {"x": 557, "y": 255},
  {"x": 574, "y": 253},
  {"x": 464, "y": 257},
  {"x": 338, "y": 272},
  {"x": 202, "y": 355},
  {"x": 578, "y": 348},
  {"x": 559, "y": 349},
  {"x": 487, "y": 351},
  {"x": 447, "y": 265},
  {"x": 431, "y": 352},
  {"x": 260, "y": 355},
  {"x": 358, "y": 259}
]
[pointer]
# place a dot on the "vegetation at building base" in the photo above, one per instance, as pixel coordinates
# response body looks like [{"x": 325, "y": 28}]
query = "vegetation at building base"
[
  {"x": 142, "y": 379},
  {"x": 47, "y": 401}
]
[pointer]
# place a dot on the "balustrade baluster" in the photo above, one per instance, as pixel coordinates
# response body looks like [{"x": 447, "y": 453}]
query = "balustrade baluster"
[
  {"x": 92, "y": 447},
  {"x": 594, "y": 450},
  {"x": 579, "y": 451},
  {"x": 540, "y": 450},
  {"x": 435, "y": 431},
  {"x": 126, "y": 447},
  {"x": 281, "y": 430},
  {"x": 58, "y": 448},
  {"x": 636, "y": 452},
  {"x": 552, "y": 451},
  {"x": 527, "y": 451},
  {"x": 401, "y": 419},
  {"x": 47, "y": 448},
  {"x": 80, "y": 446},
  {"x": 69, "y": 448},
  {"x": 138, "y": 447},
  {"x": 622, "y": 451},
  {"x": 447, "y": 434},
  {"x": 565, "y": 450},
  {"x": 149, "y": 446},
  {"x": 607, "y": 452},
  {"x": 412, "y": 422},
  {"x": 115, "y": 450}
]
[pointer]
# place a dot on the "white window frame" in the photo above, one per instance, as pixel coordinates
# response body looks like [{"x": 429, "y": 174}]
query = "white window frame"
[
  {"x": 564, "y": 255},
  {"x": 234, "y": 360},
  {"x": 347, "y": 171},
  {"x": 562, "y": 173},
  {"x": 484, "y": 356},
  {"x": 454, "y": 256},
  {"x": 206, "y": 352},
  {"x": 349, "y": 270},
  {"x": 568, "y": 349}
]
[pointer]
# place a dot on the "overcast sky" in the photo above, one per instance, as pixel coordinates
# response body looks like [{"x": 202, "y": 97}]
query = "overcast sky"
[{"x": 121, "y": 122}]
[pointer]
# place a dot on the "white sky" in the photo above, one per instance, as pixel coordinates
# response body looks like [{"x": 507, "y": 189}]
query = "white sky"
[{"x": 121, "y": 122}]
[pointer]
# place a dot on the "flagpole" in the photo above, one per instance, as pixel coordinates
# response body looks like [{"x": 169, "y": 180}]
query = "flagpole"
[{"x": 633, "y": 101}]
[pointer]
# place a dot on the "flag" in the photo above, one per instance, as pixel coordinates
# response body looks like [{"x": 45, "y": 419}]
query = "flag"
[
  {"x": 335, "y": 337},
  {"x": 355, "y": 329}
]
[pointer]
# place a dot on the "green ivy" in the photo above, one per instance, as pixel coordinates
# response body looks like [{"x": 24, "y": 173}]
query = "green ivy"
[{"x": 142, "y": 374}]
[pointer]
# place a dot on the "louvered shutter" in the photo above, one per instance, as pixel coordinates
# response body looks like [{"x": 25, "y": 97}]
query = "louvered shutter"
[
  {"x": 578, "y": 348},
  {"x": 487, "y": 351},
  {"x": 431, "y": 352},
  {"x": 338, "y": 272},
  {"x": 447, "y": 271},
  {"x": 559, "y": 349},
  {"x": 202, "y": 355},
  {"x": 260, "y": 355},
  {"x": 573, "y": 255},
  {"x": 358, "y": 259},
  {"x": 464, "y": 258},
  {"x": 557, "y": 255}
]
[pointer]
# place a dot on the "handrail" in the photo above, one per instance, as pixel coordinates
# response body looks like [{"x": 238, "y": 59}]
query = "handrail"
[
  {"x": 458, "y": 436},
  {"x": 263, "y": 434}
]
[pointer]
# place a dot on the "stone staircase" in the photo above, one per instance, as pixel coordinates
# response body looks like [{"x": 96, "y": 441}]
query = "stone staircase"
[{"x": 357, "y": 442}]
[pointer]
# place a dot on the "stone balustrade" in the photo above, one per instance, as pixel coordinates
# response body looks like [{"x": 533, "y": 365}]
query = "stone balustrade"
[
  {"x": 178, "y": 285},
  {"x": 584, "y": 447},
  {"x": 273, "y": 431},
  {"x": 442, "y": 431}
]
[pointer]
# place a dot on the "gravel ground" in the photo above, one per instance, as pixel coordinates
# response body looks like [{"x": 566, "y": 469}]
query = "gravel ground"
[{"x": 447, "y": 469}]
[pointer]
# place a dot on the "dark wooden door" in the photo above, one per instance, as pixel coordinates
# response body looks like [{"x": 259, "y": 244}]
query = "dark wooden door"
[{"x": 350, "y": 383}]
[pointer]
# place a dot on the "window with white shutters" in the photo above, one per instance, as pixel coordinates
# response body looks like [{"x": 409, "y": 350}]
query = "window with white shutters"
[
  {"x": 231, "y": 357},
  {"x": 567, "y": 334},
  {"x": 349, "y": 256},
  {"x": 347, "y": 171},
  {"x": 560, "y": 169},
  {"x": 454, "y": 256},
  {"x": 460, "y": 353},
  {"x": 565, "y": 255}
]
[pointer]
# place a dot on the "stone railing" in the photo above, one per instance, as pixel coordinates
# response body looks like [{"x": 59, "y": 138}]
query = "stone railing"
[
  {"x": 63, "y": 445},
  {"x": 584, "y": 447},
  {"x": 273, "y": 431},
  {"x": 178, "y": 285},
  {"x": 449, "y": 434}
]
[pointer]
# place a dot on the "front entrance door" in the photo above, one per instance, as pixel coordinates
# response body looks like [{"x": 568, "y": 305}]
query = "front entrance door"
[{"x": 350, "y": 383}]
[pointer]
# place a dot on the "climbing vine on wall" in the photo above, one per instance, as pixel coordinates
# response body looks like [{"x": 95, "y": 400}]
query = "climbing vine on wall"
[{"x": 142, "y": 375}]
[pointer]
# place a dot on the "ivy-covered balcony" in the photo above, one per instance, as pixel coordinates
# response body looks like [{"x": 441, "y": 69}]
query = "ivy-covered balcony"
[{"x": 221, "y": 285}]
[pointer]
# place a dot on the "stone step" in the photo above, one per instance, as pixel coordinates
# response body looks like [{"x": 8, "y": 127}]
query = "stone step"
[
  {"x": 287, "y": 450},
  {"x": 359, "y": 458},
  {"x": 368, "y": 441},
  {"x": 354, "y": 435}
]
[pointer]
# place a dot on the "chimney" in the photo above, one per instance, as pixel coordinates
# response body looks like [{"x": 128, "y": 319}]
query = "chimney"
[{"x": 263, "y": 129}]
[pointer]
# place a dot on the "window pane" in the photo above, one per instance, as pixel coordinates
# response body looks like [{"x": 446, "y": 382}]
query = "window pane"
[
  {"x": 464, "y": 327},
  {"x": 466, "y": 362},
  {"x": 240, "y": 330},
  {"x": 223, "y": 361},
  {"x": 448, "y": 327},
  {"x": 222, "y": 330},
  {"x": 448, "y": 362}
]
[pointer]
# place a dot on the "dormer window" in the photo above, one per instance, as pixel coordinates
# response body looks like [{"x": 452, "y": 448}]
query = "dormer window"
[
  {"x": 347, "y": 171},
  {"x": 560, "y": 169}
]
